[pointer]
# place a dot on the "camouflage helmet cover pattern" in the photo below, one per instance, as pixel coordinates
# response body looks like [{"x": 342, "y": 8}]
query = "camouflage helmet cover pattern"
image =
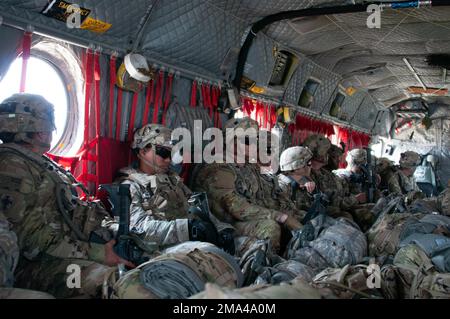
[
  {"x": 357, "y": 156},
  {"x": 23, "y": 112},
  {"x": 243, "y": 123},
  {"x": 383, "y": 164},
  {"x": 409, "y": 159},
  {"x": 294, "y": 158},
  {"x": 154, "y": 134},
  {"x": 319, "y": 146},
  {"x": 239, "y": 123}
]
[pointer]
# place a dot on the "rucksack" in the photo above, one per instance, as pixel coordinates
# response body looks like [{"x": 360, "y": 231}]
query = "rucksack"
[{"x": 384, "y": 236}]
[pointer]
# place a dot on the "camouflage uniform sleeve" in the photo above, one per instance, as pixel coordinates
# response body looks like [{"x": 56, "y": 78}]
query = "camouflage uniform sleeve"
[
  {"x": 394, "y": 185},
  {"x": 163, "y": 232},
  {"x": 219, "y": 184},
  {"x": 9, "y": 253},
  {"x": 19, "y": 203},
  {"x": 17, "y": 188},
  {"x": 348, "y": 201}
]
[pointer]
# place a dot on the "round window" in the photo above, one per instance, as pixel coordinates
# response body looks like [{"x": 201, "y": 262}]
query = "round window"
[
  {"x": 53, "y": 72},
  {"x": 42, "y": 79}
]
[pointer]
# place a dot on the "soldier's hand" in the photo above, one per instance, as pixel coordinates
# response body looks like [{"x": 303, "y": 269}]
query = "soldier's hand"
[
  {"x": 200, "y": 230},
  {"x": 310, "y": 187},
  {"x": 362, "y": 198},
  {"x": 290, "y": 222},
  {"x": 226, "y": 237},
  {"x": 112, "y": 259}
]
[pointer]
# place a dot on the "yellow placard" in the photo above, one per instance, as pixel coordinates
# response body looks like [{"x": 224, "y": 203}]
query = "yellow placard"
[
  {"x": 96, "y": 26},
  {"x": 350, "y": 91},
  {"x": 257, "y": 89}
]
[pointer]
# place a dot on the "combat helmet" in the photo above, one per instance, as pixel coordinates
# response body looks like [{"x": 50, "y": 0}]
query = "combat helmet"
[
  {"x": 357, "y": 156},
  {"x": 294, "y": 158},
  {"x": 154, "y": 134},
  {"x": 409, "y": 159},
  {"x": 26, "y": 113},
  {"x": 239, "y": 123},
  {"x": 319, "y": 145}
]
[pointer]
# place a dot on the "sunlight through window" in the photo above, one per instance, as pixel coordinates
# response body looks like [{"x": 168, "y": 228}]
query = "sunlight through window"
[{"x": 42, "y": 79}]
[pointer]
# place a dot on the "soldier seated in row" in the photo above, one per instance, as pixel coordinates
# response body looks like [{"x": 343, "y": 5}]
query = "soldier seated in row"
[
  {"x": 353, "y": 174},
  {"x": 37, "y": 197},
  {"x": 326, "y": 182},
  {"x": 295, "y": 164},
  {"x": 159, "y": 198},
  {"x": 402, "y": 182},
  {"x": 236, "y": 192}
]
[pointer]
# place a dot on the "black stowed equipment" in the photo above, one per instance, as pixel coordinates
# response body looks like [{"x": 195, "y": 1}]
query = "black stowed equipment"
[
  {"x": 318, "y": 207},
  {"x": 369, "y": 181},
  {"x": 129, "y": 244},
  {"x": 201, "y": 228}
]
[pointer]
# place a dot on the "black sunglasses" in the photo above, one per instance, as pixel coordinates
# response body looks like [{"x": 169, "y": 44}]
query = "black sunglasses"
[{"x": 163, "y": 152}]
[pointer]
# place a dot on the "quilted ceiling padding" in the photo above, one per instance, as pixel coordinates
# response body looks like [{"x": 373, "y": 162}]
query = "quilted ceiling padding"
[{"x": 197, "y": 34}]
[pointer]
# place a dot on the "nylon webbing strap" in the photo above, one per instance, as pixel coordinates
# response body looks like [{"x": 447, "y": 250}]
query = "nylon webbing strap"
[
  {"x": 158, "y": 96},
  {"x": 26, "y": 49},
  {"x": 169, "y": 83},
  {"x": 112, "y": 84},
  {"x": 148, "y": 101}
]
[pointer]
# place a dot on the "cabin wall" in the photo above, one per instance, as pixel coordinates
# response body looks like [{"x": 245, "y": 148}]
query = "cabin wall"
[{"x": 11, "y": 39}]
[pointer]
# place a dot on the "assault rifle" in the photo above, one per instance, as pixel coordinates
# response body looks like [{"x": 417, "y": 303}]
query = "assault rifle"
[
  {"x": 129, "y": 244},
  {"x": 369, "y": 181},
  {"x": 318, "y": 207},
  {"x": 199, "y": 207}
]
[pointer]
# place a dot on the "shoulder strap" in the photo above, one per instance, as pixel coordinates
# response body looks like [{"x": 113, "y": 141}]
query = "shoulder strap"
[{"x": 49, "y": 167}]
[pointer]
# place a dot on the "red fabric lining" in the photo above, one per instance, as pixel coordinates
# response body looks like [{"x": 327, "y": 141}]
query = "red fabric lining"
[
  {"x": 88, "y": 68},
  {"x": 167, "y": 97},
  {"x": 194, "y": 94},
  {"x": 132, "y": 116},
  {"x": 158, "y": 95},
  {"x": 148, "y": 101},
  {"x": 97, "y": 78},
  {"x": 108, "y": 149},
  {"x": 112, "y": 83},
  {"x": 119, "y": 113}
]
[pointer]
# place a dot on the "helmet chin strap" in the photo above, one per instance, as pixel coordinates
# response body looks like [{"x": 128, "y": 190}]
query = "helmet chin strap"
[{"x": 156, "y": 168}]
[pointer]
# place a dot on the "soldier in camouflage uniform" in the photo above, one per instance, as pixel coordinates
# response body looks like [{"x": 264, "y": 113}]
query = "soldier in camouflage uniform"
[
  {"x": 353, "y": 177},
  {"x": 295, "y": 164},
  {"x": 385, "y": 169},
  {"x": 440, "y": 203},
  {"x": 38, "y": 199},
  {"x": 159, "y": 199},
  {"x": 9, "y": 256},
  {"x": 353, "y": 173},
  {"x": 341, "y": 202},
  {"x": 402, "y": 181},
  {"x": 9, "y": 253},
  {"x": 335, "y": 154},
  {"x": 236, "y": 192}
]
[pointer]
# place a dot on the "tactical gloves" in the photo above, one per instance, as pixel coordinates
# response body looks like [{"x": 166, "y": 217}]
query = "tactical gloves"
[
  {"x": 226, "y": 241},
  {"x": 200, "y": 230}
]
